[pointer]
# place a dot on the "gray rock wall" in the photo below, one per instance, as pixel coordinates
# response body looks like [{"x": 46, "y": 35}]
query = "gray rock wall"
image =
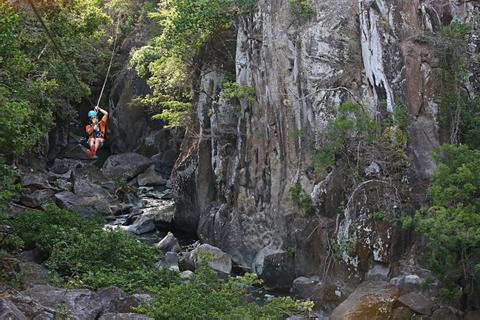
[{"x": 235, "y": 170}]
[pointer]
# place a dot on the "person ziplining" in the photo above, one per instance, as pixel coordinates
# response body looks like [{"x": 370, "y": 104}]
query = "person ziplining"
[{"x": 96, "y": 131}]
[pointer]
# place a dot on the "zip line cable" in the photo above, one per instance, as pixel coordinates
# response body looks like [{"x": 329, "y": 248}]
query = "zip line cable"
[
  {"x": 111, "y": 61},
  {"x": 59, "y": 52}
]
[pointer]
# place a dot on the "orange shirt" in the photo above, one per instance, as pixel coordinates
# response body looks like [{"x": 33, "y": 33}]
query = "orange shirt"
[{"x": 101, "y": 125}]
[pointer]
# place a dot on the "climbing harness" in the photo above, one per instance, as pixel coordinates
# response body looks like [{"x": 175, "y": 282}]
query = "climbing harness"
[{"x": 59, "y": 52}]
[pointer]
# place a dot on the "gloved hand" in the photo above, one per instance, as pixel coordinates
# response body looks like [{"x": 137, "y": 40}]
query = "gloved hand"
[{"x": 96, "y": 109}]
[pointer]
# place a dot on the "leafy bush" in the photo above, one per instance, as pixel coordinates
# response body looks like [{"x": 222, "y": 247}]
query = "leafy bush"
[
  {"x": 169, "y": 60},
  {"x": 207, "y": 297},
  {"x": 81, "y": 254},
  {"x": 34, "y": 82},
  {"x": 452, "y": 223},
  {"x": 302, "y": 8},
  {"x": 301, "y": 199},
  {"x": 232, "y": 92}
]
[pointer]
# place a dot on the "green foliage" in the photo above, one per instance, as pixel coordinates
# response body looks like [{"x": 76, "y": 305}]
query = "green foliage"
[
  {"x": 81, "y": 254},
  {"x": 207, "y": 297},
  {"x": 168, "y": 61},
  {"x": 34, "y": 82},
  {"x": 302, "y": 8},
  {"x": 8, "y": 182},
  {"x": 453, "y": 221},
  {"x": 351, "y": 121},
  {"x": 301, "y": 199},
  {"x": 458, "y": 111},
  {"x": 233, "y": 92}
]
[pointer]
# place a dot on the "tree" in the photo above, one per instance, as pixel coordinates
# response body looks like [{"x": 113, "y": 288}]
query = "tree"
[{"x": 452, "y": 223}]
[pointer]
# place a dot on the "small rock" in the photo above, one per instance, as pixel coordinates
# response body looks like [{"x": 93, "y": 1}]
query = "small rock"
[
  {"x": 169, "y": 243},
  {"x": 186, "y": 275},
  {"x": 169, "y": 261},
  {"x": 306, "y": 288},
  {"x": 217, "y": 259},
  {"x": 417, "y": 302},
  {"x": 372, "y": 170},
  {"x": 378, "y": 272}
]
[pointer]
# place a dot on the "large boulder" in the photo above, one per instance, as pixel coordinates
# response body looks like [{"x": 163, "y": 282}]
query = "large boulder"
[
  {"x": 169, "y": 243},
  {"x": 278, "y": 270},
  {"x": 36, "y": 198},
  {"x": 371, "y": 300},
  {"x": 85, "y": 204},
  {"x": 125, "y": 166},
  {"x": 417, "y": 302},
  {"x": 150, "y": 178},
  {"x": 80, "y": 303},
  {"x": 35, "y": 181},
  {"x": 216, "y": 258}
]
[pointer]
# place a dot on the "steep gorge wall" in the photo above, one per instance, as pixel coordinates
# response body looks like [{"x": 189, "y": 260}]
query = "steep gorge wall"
[{"x": 233, "y": 177}]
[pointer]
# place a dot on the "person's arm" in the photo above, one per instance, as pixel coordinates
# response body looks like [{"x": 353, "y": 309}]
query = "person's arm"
[
  {"x": 89, "y": 129},
  {"x": 105, "y": 114}
]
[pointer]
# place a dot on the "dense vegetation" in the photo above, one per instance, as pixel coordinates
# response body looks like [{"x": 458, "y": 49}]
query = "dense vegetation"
[
  {"x": 35, "y": 84},
  {"x": 80, "y": 254}
]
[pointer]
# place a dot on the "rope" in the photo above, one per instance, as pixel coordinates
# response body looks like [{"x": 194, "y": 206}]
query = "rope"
[{"x": 111, "y": 61}]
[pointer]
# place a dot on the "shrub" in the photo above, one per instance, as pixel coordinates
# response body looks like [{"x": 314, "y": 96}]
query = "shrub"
[
  {"x": 302, "y": 8},
  {"x": 301, "y": 199},
  {"x": 452, "y": 223},
  {"x": 207, "y": 297}
]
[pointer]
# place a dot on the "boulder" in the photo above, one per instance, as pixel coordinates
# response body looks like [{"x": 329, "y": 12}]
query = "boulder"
[
  {"x": 278, "y": 270},
  {"x": 162, "y": 211},
  {"x": 406, "y": 283},
  {"x": 169, "y": 261},
  {"x": 126, "y": 165},
  {"x": 85, "y": 204},
  {"x": 371, "y": 300},
  {"x": 36, "y": 198},
  {"x": 9, "y": 311},
  {"x": 115, "y": 300},
  {"x": 307, "y": 288},
  {"x": 150, "y": 178},
  {"x": 80, "y": 303},
  {"x": 186, "y": 275},
  {"x": 417, "y": 302},
  {"x": 169, "y": 243},
  {"x": 143, "y": 224},
  {"x": 378, "y": 272},
  {"x": 216, "y": 258},
  {"x": 35, "y": 181}
]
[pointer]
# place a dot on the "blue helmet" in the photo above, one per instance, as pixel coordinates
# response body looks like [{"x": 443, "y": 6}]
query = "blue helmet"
[{"x": 92, "y": 114}]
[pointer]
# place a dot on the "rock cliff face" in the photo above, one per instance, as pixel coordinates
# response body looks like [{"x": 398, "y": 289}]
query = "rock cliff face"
[{"x": 236, "y": 168}]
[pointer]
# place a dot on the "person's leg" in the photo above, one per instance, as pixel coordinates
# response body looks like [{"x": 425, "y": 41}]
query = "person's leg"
[
  {"x": 98, "y": 143},
  {"x": 91, "y": 150}
]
